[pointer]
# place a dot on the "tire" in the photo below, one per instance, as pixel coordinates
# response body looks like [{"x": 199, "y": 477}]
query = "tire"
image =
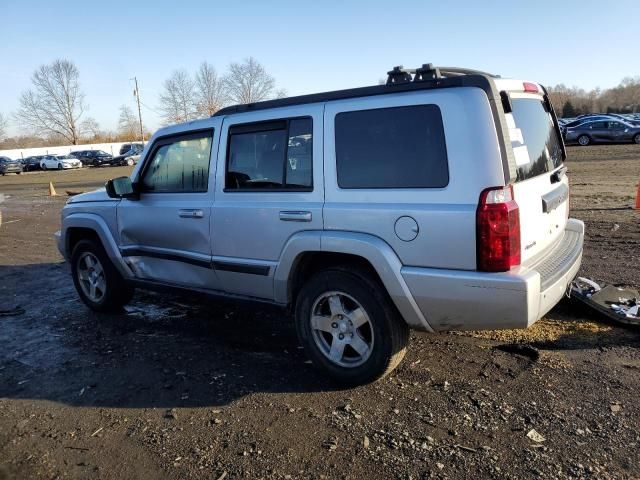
[
  {"x": 59, "y": 166},
  {"x": 636, "y": 139},
  {"x": 111, "y": 292},
  {"x": 584, "y": 140},
  {"x": 43, "y": 167},
  {"x": 18, "y": 173},
  {"x": 129, "y": 162},
  {"x": 378, "y": 326}
]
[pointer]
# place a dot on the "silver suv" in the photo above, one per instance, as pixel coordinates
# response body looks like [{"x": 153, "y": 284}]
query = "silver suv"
[{"x": 438, "y": 201}]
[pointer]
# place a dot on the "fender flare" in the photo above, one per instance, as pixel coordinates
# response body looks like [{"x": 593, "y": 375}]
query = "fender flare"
[
  {"x": 97, "y": 224},
  {"x": 373, "y": 249}
]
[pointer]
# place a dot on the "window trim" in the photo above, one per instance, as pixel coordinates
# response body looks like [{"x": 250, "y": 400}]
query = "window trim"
[
  {"x": 266, "y": 126},
  {"x": 444, "y": 138},
  {"x": 168, "y": 140}
]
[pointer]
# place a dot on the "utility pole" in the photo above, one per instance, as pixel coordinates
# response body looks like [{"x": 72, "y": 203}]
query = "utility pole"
[{"x": 136, "y": 93}]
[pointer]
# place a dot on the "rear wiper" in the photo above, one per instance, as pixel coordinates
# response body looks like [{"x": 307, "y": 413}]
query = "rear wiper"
[{"x": 558, "y": 175}]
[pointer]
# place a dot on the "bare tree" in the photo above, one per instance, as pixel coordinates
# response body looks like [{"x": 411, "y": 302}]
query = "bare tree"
[
  {"x": 55, "y": 104},
  {"x": 90, "y": 127},
  {"x": 210, "y": 95},
  {"x": 176, "y": 101},
  {"x": 127, "y": 123},
  {"x": 248, "y": 82},
  {"x": 4, "y": 123}
]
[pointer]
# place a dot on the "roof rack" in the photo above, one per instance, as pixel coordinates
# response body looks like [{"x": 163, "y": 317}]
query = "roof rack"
[
  {"x": 399, "y": 79},
  {"x": 427, "y": 72}
]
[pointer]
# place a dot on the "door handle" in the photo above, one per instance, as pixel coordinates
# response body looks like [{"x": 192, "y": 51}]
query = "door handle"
[
  {"x": 190, "y": 213},
  {"x": 295, "y": 216}
]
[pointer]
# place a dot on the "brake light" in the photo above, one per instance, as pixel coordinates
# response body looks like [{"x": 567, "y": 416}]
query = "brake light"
[
  {"x": 497, "y": 230},
  {"x": 531, "y": 87}
]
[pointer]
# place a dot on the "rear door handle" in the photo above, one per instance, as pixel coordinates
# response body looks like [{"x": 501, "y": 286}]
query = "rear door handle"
[
  {"x": 295, "y": 216},
  {"x": 190, "y": 213}
]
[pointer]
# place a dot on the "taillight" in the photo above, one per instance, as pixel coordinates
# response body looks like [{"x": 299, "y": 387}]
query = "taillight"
[{"x": 497, "y": 230}]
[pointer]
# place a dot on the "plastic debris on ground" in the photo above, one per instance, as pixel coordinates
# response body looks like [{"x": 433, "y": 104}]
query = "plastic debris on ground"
[{"x": 619, "y": 304}]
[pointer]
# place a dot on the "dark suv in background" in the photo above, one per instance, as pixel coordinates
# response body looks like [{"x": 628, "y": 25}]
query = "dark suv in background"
[{"x": 93, "y": 158}]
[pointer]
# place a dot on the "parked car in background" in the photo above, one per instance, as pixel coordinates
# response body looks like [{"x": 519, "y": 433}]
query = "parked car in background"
[
  {"x": 130, "y": 156},
  {"x": 59, "y": 162},
  {"x": 10, "y": 166},
  {"x": 32, "y": 163},
  {"x": 93, "y": 158},
  {"x": 128, "y": 146},
  {"x": 603, "y": 131}
]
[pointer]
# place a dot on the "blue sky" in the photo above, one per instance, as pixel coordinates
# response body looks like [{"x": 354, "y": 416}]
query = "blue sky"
[{"x": 311, "y": 46}]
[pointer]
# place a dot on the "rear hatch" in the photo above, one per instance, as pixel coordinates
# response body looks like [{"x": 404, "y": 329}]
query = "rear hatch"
[{"x": 541, "y": 188}]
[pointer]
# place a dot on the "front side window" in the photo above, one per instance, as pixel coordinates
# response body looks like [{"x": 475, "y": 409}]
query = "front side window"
[
  {"x": 179, "y": 165},
  {"x": 399, "y": 147},
  {"x": 270, "y": 155}
]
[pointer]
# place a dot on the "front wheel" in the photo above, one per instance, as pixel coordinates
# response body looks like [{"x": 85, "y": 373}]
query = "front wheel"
[
  {"x": 348, "y": 326},
  {"x": 584, "y": 140},
  {"x": 636, "y": 139},
  {"x": 59, "y": 166},
  {"x": 43, "y": 166},
  {"x": 129, "y": 162},
  {"x": 97, "y": 281}
]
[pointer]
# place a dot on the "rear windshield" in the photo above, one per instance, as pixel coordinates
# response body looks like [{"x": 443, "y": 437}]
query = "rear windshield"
[{"x": 536, "y": 146}]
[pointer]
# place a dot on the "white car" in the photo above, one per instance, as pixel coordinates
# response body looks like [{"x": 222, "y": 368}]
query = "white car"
[{"x": 59, "y": 162}]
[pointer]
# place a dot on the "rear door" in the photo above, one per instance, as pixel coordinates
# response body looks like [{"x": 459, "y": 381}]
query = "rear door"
[
  {"x": 617, "y": 131},
  {"x": 541, "y": 188},
  {"x": 269, "y": 186},
  {"x": 600, "y": 131}
]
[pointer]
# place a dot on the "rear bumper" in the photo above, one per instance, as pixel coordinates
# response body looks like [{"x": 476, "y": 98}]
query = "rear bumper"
[{"x": 469, "y": 300}]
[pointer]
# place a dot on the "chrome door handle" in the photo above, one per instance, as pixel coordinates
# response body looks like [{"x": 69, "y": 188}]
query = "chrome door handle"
[
  {"x": 295, "y": 216},
  {"x": 190, "y": 213}
]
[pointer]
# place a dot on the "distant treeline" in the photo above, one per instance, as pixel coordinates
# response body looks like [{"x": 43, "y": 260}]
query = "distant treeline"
[{"x": 573, "y": 101}]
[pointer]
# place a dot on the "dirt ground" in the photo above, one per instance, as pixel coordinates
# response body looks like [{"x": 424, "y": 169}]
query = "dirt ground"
[{"x": 186, "y": 388}]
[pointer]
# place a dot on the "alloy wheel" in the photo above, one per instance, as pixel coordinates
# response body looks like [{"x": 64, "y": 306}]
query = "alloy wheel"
[
  {"x": 341, "y": 329},
  {"x": 91, "y": 277}
]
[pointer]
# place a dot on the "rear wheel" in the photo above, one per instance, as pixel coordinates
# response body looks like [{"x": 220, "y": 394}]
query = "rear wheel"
[
  {"x": 97, "y": 281},
  {"x": 348, "y": 326},
  {"x": 584, "y": 140},
  {"x": 636, "y": 139}
]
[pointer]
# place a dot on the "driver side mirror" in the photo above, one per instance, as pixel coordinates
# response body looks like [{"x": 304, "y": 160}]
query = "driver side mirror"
[{"x": 121, "y": 187}]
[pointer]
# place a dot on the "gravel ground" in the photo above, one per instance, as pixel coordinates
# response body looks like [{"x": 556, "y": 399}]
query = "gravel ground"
[{"x": 184, "y": 388}]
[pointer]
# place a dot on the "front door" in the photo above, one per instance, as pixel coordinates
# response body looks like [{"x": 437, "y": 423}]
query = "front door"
[
  {"x": 269, "y": 186},
  {"x": 165, "y": 234}
]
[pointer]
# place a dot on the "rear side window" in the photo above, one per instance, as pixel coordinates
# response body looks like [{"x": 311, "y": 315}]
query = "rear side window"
[
  {"x": 399, "y": 147},
  {"x": 536, "y": 146},
  {"x": 179, "y": 165},
  {"x": 274, "y": 155}
]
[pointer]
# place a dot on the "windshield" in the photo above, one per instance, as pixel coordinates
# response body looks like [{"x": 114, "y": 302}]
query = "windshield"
[
  {"x": 536, "y": 146},
  {"x": 65, "y": 157}
]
